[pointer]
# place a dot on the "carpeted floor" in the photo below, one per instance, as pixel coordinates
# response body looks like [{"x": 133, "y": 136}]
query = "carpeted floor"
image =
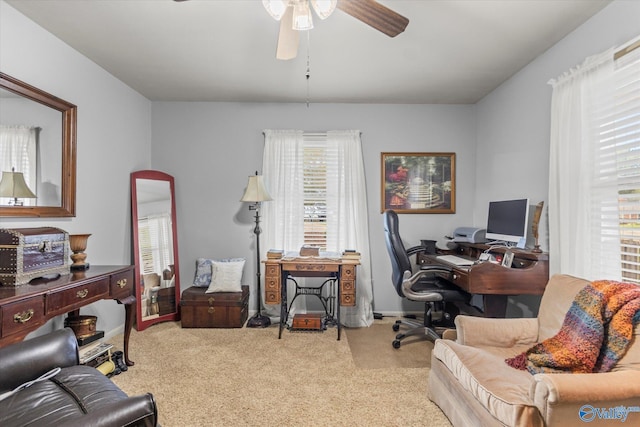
[
  {"x": 242, "y": 377},
  {"x": 371, "y": 348}
]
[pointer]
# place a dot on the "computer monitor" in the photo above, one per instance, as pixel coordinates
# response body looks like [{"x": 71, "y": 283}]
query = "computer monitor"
[{"x": 508, "y": 221}]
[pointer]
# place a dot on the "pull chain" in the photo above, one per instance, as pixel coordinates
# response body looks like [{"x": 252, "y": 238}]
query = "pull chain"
[{"x": 308, "y": 74}]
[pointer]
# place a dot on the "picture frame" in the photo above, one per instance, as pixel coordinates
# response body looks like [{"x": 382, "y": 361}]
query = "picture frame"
[
  {"x": 507, "y": 259},
  {"x": 418, "y": 183}
]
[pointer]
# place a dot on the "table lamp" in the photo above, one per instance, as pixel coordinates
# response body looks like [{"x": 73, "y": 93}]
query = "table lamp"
[
  {"x": 256, "y": 193},
  {"x": 14, "y": 186}
]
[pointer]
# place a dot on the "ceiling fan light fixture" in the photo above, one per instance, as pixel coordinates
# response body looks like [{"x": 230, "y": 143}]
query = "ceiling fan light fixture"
[
  {"x": 302, "y": 19},
  {"x": 275, "y": 8},
  {"x": 324, "y": 8}
]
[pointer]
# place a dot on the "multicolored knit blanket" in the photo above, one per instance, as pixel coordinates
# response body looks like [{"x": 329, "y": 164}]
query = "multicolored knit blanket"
[{"x": 594, "y": 335}]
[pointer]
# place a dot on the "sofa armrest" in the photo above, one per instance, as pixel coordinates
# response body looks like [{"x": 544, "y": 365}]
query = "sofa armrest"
[
  {"x": 483, "y": 331},
  {"x": 27, "y": 360},
  {"x": 560, "y": 395},
  {"x": 134, "y": 411}
]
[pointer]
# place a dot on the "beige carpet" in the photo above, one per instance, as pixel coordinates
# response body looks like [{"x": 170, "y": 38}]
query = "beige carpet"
[
  {"x": 371, "y": 348},
  {"x": 242, "y": 377}
]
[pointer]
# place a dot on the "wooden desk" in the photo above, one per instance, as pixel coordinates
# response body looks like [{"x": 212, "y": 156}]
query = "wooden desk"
[
  {"x": 23, "y": 309},
  {"x": 277, "y": 271},
  {"x": 528, "y": 275}
]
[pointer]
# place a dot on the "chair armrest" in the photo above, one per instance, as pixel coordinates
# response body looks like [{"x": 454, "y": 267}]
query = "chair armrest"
[
  {"x": 409, "y": 280},
  {"x": 415, "y": 250},
  {"x": 27, "y": 360},
  {"x": 483, "y": 331},
  {"x": 136, "y": 410},
  {"x": 558, "y": 394}
]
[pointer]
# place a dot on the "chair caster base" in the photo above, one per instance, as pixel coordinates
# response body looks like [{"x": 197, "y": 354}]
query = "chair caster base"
[
  {"x": 396, "y": 344},
  {"x": 396, "y": 327}
]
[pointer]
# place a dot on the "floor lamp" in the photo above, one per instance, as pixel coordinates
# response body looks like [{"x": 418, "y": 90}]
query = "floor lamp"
[{"x": 256, "y": 193}]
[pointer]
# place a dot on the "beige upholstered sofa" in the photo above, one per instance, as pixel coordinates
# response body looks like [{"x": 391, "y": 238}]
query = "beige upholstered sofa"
[{"x": 472, "y": 384}]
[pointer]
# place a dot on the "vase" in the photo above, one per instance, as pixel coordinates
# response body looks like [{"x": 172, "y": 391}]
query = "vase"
[{"x": 78, "y": 244}]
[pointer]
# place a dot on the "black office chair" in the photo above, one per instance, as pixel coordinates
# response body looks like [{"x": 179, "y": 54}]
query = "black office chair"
[{"x": 425, "y": 285}]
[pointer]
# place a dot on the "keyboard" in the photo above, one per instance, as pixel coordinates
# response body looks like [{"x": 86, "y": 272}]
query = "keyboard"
[{"x": 456, "y": 260}]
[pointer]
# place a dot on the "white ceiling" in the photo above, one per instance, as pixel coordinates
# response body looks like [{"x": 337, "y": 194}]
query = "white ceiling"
[{"x": 452, "y": 52}]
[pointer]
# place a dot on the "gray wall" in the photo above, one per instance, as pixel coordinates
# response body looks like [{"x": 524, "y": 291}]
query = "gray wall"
[
  {"x": 211, "y": 149},
  {"x": 114, "y": 139}
]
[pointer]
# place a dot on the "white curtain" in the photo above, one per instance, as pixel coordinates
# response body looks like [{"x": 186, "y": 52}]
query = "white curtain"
[
  {"x": 283, "y": 218},
  {"x": 18, "y": 151},
  {"x": 572, "y": 224}
]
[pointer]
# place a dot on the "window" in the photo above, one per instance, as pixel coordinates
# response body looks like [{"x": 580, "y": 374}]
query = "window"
[
  {"x": 317, "y": 183},
  {"x": 315, "y": 155},
  {"x": 156, "y": 251},
  {"x": 594, "y": 168},
  {"x": 617, "y": 165},
  {"x": 18, "y": 152}
]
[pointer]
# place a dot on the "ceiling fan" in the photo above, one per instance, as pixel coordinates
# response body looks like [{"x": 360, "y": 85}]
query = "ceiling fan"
[{"x": 295, "y": 16}]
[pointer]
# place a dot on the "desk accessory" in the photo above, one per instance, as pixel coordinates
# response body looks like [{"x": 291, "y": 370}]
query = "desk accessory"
[
  {"x": 256, "y": 193},
  {"x": 534, "y": 227},
  {"x": 78, "y": 244}
]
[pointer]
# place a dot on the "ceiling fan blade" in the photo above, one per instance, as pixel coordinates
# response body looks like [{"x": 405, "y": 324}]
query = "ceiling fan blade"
[
  {"x": 375, "y": 15},
  {"x": 288, "y": 38}
]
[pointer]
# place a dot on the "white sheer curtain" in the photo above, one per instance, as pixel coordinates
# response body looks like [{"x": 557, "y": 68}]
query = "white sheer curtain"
[
  {"x": 18, "y": 150},
  {"x": 349, "y": 228},
  {"x": 283, "y": 218},
  {"x": 572, "y": 184}
]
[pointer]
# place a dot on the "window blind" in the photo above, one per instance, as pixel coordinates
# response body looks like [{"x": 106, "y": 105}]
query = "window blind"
[
  {"x": 616, "y": 184},
  {"x": 315, "y": 166}
]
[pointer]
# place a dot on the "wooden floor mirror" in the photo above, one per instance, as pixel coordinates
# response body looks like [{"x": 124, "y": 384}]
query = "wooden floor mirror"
[{"x": 155, "y": 247}]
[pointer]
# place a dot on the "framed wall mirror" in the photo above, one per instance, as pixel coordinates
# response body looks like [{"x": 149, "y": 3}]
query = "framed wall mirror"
[
  {"x": 37, "y": 152},
  {"x": 155, "y": 247}
]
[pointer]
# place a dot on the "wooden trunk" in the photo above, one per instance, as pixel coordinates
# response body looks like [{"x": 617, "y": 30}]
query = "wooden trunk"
[
  {"x": 214, "y": 310},
  {"x": 29, "y": 253}
]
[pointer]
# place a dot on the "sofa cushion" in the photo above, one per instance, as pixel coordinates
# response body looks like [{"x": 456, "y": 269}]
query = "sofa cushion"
[{"x": 502, "y": 390}]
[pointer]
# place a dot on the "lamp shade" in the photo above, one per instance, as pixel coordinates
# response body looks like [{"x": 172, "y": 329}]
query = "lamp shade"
[
  {"x": 256, "y": 191},
  {"x": 302, "y": 19},
  {"x": 13, "y": 185}
]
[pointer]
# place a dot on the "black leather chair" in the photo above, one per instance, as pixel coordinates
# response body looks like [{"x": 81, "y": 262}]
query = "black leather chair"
[{"x": 425, "y": 286}]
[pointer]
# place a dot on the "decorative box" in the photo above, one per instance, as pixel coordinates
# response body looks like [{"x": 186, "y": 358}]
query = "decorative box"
[
  {"x": 82, "y": 326},
  {"x": 214, "y": 310},
  {"x": 307, "y": 322},
  {"x": 29, "y": 253}
]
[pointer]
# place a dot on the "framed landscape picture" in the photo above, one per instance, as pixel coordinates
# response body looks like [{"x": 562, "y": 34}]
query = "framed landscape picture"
[{"x": 418, "y": 182}]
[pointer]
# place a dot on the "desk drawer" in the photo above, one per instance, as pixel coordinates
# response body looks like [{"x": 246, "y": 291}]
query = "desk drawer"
[
  {"x": 121, "y": 284},
  {"x": 272, "y": 284},
  {"x": 76, "y": 297},
  {"x": 348, "y": 286},
  {"x": 460, "y": 278},
  {"x": 22, "y": 315}
]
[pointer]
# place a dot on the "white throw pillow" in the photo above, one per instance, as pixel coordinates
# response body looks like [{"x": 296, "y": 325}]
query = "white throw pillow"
[{"x": 226, "y": 276}]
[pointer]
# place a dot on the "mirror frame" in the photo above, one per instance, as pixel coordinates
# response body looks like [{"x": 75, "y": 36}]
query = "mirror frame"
[
  {"x": 156, "y": 176},
  {"x": 69, "y": 112}
]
